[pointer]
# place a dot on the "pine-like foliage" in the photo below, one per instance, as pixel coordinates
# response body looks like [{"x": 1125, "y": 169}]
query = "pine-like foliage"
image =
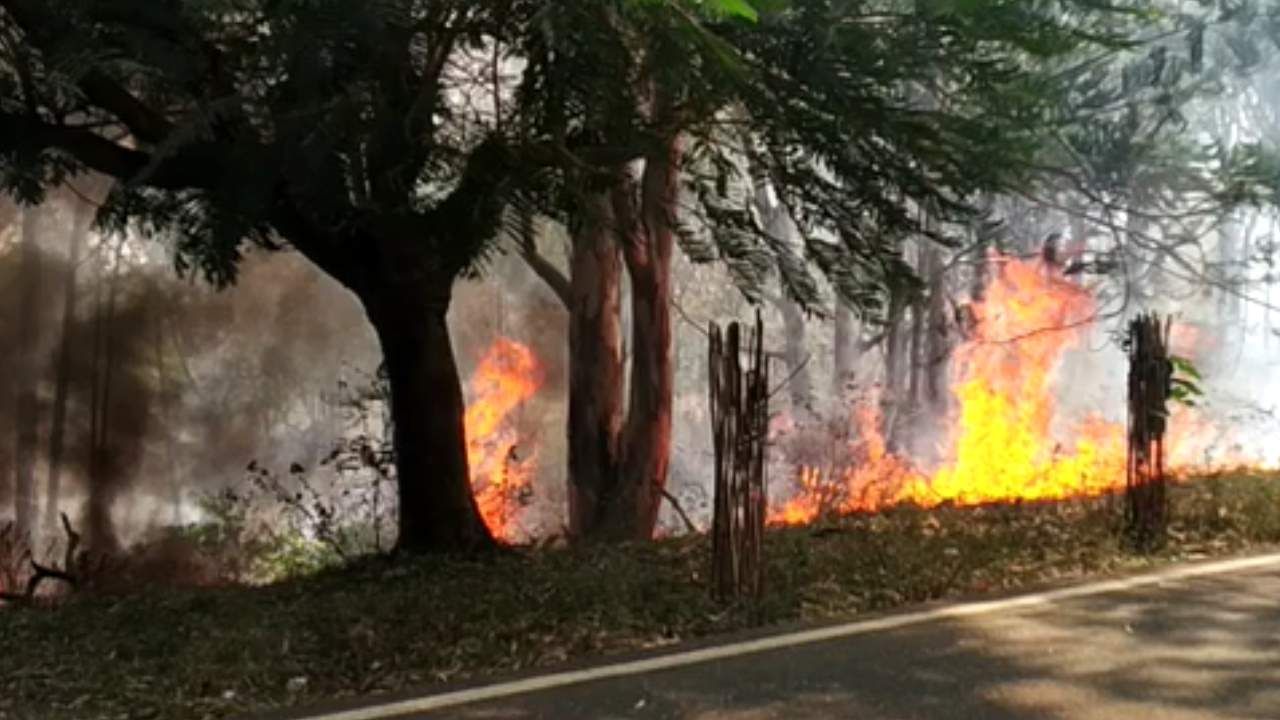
[
  {"x": 856, "y": 115},
  {"x": 234, "y": 121}
]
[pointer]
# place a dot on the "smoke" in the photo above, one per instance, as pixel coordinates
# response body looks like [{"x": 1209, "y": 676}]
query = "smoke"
[{"x": 172, "y": 387}]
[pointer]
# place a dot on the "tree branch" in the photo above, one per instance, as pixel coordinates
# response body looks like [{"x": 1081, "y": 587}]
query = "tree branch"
[
  {"x": 556, "y": 280},
  {"x": 675, "y": 505},
  {"x": 43, "y": 26},
  {"x": 142, "y": 121},
  {"x": 187, "y": 168}
]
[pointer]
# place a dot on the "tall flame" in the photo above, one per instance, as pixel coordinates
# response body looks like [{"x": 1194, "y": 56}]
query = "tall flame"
[
  {"x": 501, "y": 469},
  {"x": 1002, "y": 442},
  {"x": 1004, "y": 447}
]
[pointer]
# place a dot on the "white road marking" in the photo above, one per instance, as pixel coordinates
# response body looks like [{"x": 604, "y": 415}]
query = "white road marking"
[{"x": 804, "y": 637}]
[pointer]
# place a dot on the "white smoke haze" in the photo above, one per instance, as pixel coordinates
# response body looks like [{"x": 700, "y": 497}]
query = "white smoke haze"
[
  {"x": 252, "y": 373},
  {"x": 206, "y": 382}
]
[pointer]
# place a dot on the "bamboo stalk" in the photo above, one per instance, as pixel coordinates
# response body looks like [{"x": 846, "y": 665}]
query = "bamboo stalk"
[
  {"x": 1150, "y": 373},
  {"x": 739, "y": 416}
]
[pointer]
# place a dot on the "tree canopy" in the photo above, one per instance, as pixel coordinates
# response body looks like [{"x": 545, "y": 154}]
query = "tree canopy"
[{"x": 385, "y": 140}]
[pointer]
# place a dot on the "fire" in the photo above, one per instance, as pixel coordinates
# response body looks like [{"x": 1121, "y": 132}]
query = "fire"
[
  {"x": 875, "y": 478},
  {"x": 501, "y": 469},
  {"x": 1003, "y": 445}
]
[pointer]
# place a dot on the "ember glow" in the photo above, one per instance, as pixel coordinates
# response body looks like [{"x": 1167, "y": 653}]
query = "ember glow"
[
  {"x": 501, "y": 467},
  {"x": 1003, "y": 447}
]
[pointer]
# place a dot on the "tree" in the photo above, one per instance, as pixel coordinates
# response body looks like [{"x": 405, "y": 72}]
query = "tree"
[
  {"x": 26, "y": 378},
  {"x": 82, "y": 216},
  {"x": 1142, "y": 160},
  {"x": 809, "y": 100},
  {"x": 333, "y": 128}
]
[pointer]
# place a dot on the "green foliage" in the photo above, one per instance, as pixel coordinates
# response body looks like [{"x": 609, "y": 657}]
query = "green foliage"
[
  {"x": 1251, "y": 176},
  {"x": 1137, "y": 130},
  {"x": 715, "y": 8},
  {"x": 326, "y": 125},
  {"x": 856, "y": 114},
  {"x": 738, "y": 8},
  {"x": 1184, "y": 382},
  {"x": 252, "y": 549}
]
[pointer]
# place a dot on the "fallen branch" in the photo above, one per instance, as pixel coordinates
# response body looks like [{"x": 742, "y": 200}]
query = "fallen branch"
[
  {"x": 675, "y": 504},
  {"x": 40, "y": 573}
]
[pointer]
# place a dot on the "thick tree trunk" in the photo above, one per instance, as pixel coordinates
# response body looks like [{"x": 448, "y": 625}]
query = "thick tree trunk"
[
  {"x": 26, "y": 410},
  {"x": 647, "y": 435},
  {"x": 595, "y": 367},
  {"x": 438, "y": 511},
  {"x": 618, "y": 476},
  {"x": 62, "y": 381}
]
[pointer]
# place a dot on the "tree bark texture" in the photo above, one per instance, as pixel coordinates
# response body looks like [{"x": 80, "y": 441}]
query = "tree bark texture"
[
  {"x": 595, "y": 365},
  {"x": 437, "y": 510},
  {"x": 647, "y": 433},
  {"x": 619, "y": 462}
]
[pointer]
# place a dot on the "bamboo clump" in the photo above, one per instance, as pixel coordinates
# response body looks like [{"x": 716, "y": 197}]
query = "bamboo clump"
[
  {"x": 739, "y": 403},
  {"x": 1150, "y": 385}
]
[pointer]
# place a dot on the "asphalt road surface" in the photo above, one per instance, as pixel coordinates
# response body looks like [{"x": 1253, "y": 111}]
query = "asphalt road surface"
[{"x": 1176, "y": 649}]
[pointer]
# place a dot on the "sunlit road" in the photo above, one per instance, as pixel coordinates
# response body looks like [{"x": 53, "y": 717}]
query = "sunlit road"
[{"x": 1203, "y": 647}]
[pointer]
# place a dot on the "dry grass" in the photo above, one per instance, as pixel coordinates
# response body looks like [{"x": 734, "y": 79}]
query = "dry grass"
[{"x": 381, "y": 626}]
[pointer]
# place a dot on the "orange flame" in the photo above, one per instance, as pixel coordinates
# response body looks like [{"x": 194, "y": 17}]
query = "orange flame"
[
  {"x": 1002, "y": 444},
  {"x": 501, "y": 469},
  {"x": 1004, "y": 447}
]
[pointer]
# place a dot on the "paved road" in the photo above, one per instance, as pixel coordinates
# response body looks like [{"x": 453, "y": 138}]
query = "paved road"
[{"x": 1204, "y": 647}]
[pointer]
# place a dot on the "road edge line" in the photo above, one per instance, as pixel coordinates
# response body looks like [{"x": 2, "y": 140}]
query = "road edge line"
[{"x": 468, "y": 696}]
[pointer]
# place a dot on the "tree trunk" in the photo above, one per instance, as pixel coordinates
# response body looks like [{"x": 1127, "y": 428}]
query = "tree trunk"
[
  {"x": 595, "y": 366},
  {"x": 846, "y": 352},
  {"x": 438, "y": 511},
  {"x": 917, "y": 369},
  {"x": 936, "y": 347},
  {"x": 647, "y": 435},
  {"x": 100, "y": 527},
  {"x": 895, "y": 348},
  {"x": 62, "y": 381},
  {"x": 799, "y": 384},
  {"x": 618, "y": 478},
  {"x": 26, "y": 408},
  {"x": 780, "y": 226}
]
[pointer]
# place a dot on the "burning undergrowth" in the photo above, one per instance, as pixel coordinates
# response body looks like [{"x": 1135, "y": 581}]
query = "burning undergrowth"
[{"x": 1006, "y": 442}]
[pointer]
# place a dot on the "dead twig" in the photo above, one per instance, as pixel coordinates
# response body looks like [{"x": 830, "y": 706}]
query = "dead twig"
[
  {"x": 675, "y": 505},
  {"x": 40, "y": 573}
]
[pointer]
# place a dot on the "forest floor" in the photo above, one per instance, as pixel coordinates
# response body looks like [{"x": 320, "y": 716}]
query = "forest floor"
[{"x": 387, "y": 625}]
